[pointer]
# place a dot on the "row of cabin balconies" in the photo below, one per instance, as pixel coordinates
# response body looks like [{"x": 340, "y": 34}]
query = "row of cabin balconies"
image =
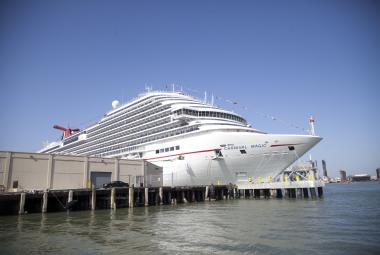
[
  {"x": 126, "y": 134},
  {"x": 153, "y": 102},
  {"x": 134, "y": 119},
  {"x": 115, "y": 132},
  {"x": 156, "y": 101},
  {"x": 156, "y": 136},
  {"x": 137, "y": 104},
  {"x": 146, "y": 140},
  {"x": 100, "y": 128},
  {"x": 142, "y": 133}
]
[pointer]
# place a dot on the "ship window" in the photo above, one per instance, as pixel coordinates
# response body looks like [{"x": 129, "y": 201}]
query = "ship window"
[
  {"x": 177, "y": 147},
  {"x": 291, "y": 148},
  {"x": 243, "y": 151},
  {"x": 171, "y": 148},
  {"x": 157, "y": 151},
  {"x": 166, "y": 149},
  {"x": 161, "y": 150}
]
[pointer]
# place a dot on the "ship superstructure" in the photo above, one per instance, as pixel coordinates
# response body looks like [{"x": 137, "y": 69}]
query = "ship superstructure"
[{"x": 195, "y": 142}]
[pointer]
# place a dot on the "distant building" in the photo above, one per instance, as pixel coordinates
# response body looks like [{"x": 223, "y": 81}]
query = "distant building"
[
  {"x": 324, "y": 168},
  {"x": 343, "y": 176},
  {"x": 378, "y": 174},
  {"x": 360, "y": 177}
]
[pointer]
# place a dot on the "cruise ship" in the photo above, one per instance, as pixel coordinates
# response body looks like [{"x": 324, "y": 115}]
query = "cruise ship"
[{"x": 195, "y": 142}]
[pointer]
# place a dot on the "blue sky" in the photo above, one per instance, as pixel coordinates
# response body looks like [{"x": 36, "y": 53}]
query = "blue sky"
[{"x": 63, "y": 62}]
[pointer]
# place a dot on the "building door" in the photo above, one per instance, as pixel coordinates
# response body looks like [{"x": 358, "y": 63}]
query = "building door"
[{"x": 100, "y": 178}]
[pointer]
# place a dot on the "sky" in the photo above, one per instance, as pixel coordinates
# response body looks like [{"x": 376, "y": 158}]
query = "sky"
[{"x": 63, "y": 62}]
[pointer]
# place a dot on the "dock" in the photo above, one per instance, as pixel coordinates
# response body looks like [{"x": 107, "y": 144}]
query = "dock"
[{"x": 114, "y": 198}]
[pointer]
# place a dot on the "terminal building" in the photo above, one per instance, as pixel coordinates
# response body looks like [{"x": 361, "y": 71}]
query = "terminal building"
[
  {"x": 360, "y": 177},
  {"x": 21, "y": 171}
]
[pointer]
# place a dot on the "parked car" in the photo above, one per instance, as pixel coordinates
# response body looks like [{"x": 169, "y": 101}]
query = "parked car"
[{"x": 115, "y": 184}]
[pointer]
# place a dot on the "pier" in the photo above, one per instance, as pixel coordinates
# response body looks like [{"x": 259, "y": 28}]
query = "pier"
[{"x": 128, "y": 197}]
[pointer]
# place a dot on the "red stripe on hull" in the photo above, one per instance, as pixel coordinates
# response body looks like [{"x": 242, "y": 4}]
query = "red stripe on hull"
[
  {"x": 290, "y": 144},
  {"x": 180, "y": 154}
]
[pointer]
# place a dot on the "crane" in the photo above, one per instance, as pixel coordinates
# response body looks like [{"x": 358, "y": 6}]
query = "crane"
[{"x": 66, "y": 131}]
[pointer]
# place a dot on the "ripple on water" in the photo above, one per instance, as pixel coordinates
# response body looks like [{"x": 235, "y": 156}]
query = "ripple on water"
[{"x": 344, "y": 222}]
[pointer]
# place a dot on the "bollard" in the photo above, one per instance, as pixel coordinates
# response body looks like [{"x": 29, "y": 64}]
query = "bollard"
[
  {"x": 22, "y": 203},
  {"x": 44, "y": 202},
  {"x": 113, "y": 200},
  {"x": 131, "y": 197}
]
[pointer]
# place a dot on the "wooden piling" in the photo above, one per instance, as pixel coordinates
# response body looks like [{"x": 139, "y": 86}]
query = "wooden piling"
[
  {"x": 45, "y": 201},
  {"x": 273, "y": 193},
  {"x": 287, "y": 194},
  {"x": 312, "y": 193},
  {"x": 161, "y": 195},
  {"x": 293, "y": 193},
  {"x": 131, "y": 197},
  {"x": 70, "y": 197},
  {"x": 305, "y": 193},
  {"x": 22, "y": 203},
  {"x": 146, "y": 197},
  {"x": 320, "y": 192},
  {"x": 113, "y": 198},
  {"x": 184, "y": 197},
  {"x": 93, "y": 197},
  {"x": 298, "y": 193},
  {"x": 262, "y": 193},
  {"x": 279, "y": 193},
  {"x": 206, "y": 193}
]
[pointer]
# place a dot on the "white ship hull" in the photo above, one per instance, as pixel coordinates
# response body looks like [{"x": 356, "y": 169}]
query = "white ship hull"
[{"x": 198, "y": 162}]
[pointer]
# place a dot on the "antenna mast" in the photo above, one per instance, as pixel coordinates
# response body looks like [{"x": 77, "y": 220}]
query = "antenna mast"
[{"x": 311, "y": 122}]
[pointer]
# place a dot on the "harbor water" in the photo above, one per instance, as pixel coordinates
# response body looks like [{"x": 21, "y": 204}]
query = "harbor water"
[{"x": 345, "y": 221}]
